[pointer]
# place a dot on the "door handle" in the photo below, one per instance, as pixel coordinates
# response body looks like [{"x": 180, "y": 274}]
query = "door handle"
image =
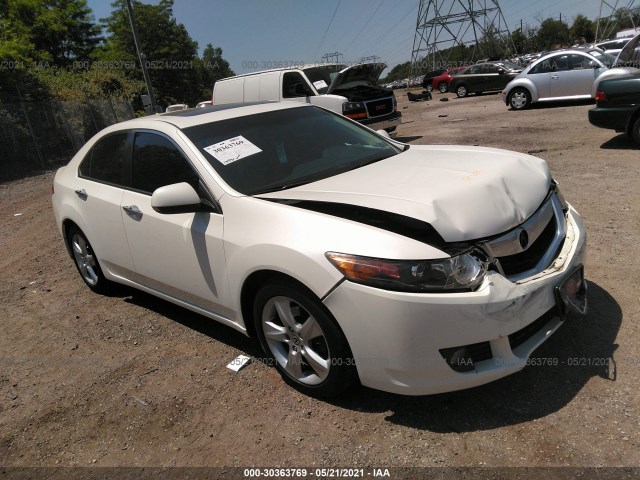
[
  {"x": 133, "y": 211},
  {"x": 554, "y": 77},
  {"x": 82, "y": 193}
]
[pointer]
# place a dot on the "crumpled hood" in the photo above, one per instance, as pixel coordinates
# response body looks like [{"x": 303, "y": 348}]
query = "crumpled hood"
[
  {"x": 465, "y": 193},
  {"x": 366, "y": 73}
]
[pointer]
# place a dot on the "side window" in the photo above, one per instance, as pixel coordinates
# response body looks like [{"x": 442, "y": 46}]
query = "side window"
[
  {"x": 578, "y": 62},
  {"x": 105, "y": 160},
  {"x": 490, "y": 68},
  {"x": 561, "y": 63},
  {"x": 542, "y": 67},
  {"x": 476, "y": 69},
  {"x": 294, "y": 85},
  {"x": 157, "y": 162}
]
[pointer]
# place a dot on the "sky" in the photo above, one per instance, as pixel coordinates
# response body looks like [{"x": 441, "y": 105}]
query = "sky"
[{"x": 259, "y": 34}]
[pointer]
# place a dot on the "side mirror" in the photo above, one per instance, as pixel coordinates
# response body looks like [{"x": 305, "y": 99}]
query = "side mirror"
[
  {"x": 383, "y": 133},
  {"x": 501, "y": 71},
  {"x": 176, "y": 198}
]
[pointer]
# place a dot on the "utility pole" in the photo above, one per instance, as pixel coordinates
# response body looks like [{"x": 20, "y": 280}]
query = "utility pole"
[{"x": 141, "y": 56}]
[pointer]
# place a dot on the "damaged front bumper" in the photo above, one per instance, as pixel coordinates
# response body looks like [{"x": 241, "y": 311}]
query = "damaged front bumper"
[{"x": 407, "y": 342}]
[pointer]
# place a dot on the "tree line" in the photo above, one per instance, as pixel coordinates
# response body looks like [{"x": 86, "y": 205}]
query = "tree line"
[{"x": 54, "y": 49}]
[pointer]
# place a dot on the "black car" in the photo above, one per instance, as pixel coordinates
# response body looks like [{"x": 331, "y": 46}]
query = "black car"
[
  {"x": 618, "y": 105},
  {"x": 484, "y": 77},
  {"x": 429, "y": 76}
]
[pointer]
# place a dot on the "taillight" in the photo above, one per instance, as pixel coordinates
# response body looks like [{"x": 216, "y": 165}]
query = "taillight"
[{"x": 601, "y": 96}]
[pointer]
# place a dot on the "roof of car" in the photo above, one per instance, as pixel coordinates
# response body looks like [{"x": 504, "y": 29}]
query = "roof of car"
[{"x": 197, "y": 116}]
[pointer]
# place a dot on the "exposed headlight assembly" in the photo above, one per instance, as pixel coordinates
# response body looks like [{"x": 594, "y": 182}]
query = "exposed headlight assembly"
[{"x": 464, "y": 272}]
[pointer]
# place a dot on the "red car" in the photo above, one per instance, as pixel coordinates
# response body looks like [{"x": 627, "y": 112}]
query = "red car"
[{"x": 441, "y": 82}]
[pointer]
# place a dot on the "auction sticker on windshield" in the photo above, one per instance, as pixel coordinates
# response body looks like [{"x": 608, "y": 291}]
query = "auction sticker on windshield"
[{"x": 229, "y": 151}]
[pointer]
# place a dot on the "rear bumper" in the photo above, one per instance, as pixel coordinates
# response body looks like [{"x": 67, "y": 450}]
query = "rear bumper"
[
  {"x": 392, "y": 120},
  {"x": 613, "y": 118}
]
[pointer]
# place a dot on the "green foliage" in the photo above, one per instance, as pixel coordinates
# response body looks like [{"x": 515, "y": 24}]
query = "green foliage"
[
  {"x": 54, "y": 31},
  {"x": 583, "y": 28},
  {"x": 214, "y": 67},
  {"x": 553, "y": 34},
  {"x": 176, "y": 72}
]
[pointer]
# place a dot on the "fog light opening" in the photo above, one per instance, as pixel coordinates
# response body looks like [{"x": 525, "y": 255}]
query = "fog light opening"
[{"x": 458, "y": 358}]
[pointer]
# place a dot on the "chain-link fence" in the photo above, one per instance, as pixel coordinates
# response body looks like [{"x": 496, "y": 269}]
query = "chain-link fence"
[{"x": 36, "y": 136}]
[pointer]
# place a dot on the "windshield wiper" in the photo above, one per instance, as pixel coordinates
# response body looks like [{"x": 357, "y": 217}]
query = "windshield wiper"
[{"x": 281, "y": 187}]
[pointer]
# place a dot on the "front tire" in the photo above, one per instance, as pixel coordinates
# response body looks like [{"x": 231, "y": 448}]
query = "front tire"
[
  {"x": 462, "y": 91},
  {"x": 519, "y": 99},
  {"x": 300, "y": 337},
  {"x": 86, "y": 261}
]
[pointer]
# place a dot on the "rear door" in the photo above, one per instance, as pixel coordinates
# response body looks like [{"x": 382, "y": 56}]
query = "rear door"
[
  {"x": 180, "y": 255},
  {"x": 98, "y": 193}
]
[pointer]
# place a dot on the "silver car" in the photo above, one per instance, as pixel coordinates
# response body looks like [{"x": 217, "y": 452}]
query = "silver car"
[{"x": 560, "y": 75}]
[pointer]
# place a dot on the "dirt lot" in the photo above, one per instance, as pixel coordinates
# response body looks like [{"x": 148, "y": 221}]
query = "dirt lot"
[{"x": 130, "y": 380}]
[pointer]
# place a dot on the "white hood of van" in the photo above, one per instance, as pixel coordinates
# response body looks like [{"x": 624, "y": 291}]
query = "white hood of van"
[{"x": 465, "y": 193}]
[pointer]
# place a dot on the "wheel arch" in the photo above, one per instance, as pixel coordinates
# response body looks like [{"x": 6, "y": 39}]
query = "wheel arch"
[
  {"x": 254, "y": 282},
  {"x": 67, "y": 224},
  {"x": 632, "y": 121},
  {"x": 526, "y": 85}
]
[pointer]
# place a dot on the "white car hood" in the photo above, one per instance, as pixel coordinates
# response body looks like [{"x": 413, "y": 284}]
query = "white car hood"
[{"x": 465, "y": 193}]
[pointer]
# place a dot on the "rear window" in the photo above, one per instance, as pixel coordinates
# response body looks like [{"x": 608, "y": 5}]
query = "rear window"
[{"x": 106, "y": 159}]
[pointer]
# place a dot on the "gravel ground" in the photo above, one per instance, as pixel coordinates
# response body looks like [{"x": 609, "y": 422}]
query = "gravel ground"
[{"x": 131, "y": 380}]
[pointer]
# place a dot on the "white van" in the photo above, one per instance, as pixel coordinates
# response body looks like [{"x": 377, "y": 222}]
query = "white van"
[{"x": 349, "y": 91}]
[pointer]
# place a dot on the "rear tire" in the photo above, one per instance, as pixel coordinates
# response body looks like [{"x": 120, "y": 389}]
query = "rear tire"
[
  {"x": 86, "y": 261},
  {"x": 443, "y": 87},
  {"x": 462, "y": 91},
  {"x": 635, "y": 130},
  {"x": 302, "y": 340}
]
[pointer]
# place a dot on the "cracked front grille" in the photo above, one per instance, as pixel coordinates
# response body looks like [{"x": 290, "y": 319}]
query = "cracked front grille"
[
  {"x": 527, "y": 260},
  {"x": 532, "y": 246}
]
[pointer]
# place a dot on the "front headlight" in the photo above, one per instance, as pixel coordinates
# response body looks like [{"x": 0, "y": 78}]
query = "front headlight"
[{"x": 461, "y": 273}]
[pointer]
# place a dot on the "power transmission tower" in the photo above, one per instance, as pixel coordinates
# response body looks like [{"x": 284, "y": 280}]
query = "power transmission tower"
[
  {"x": 609, "y": 13},
  {"x": 334, "y": 57},
  {"x": 466, "y": 30}
]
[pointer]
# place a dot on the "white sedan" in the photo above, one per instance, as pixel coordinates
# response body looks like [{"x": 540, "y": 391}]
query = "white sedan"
[{"x": 413, "y": 269}]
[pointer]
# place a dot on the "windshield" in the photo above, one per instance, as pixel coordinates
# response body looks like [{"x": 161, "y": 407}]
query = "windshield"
[
  {"x": 606, "y": 58},
  {"x": 322, "y": 76},
  {"x": 286, "y": 148}
]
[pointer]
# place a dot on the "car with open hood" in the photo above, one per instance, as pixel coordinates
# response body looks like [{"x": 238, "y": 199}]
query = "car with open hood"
[
  {"x": 412, "y": 269},
  {"x": 352, "y": 91}
]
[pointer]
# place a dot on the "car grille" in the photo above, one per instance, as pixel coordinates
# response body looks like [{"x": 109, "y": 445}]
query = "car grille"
[
  {"x": 518, "y": 338},
  {"x": 527, "y": 260},
  {"x": 376, "y": 108}
]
